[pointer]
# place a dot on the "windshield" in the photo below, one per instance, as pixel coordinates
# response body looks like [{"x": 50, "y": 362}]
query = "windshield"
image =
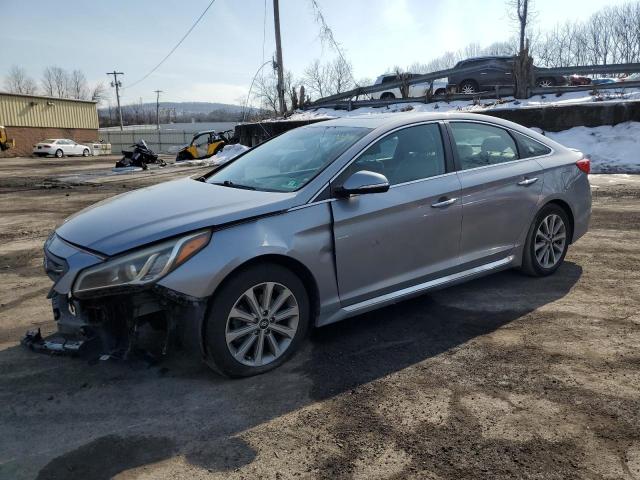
[{"x": 290, "y": 161}]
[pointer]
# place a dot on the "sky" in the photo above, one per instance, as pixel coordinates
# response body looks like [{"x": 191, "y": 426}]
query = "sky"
[{"x": 218, "y": 60}]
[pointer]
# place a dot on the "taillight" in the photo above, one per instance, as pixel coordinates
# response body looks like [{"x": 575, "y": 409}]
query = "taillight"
[
  {"x": 584, "y": 165},
  {"x": 46, "y": 146}
]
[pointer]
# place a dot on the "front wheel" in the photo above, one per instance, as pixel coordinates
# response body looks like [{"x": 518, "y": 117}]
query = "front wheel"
[
  {"x": 547, "y": 242},
  {"x": 387, "y": 96},
  {"x": 85, "y": 152},
  {"x": 59, "y": 153},
  {"x": 546, "y": 82},
  {"x": 256, "y": 321}
]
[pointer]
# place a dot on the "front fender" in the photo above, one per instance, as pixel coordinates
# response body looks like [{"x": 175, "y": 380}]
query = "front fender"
[{"x": 303, "y": 234}]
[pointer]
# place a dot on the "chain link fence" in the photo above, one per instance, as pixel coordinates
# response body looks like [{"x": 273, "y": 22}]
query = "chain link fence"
[{"x": 160, "y": 141}]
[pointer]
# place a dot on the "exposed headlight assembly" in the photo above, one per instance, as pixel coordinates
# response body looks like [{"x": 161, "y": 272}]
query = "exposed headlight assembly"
[{"x": 143, "y": 266}]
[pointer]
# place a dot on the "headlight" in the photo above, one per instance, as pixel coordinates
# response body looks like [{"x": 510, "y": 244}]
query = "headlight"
[{"x": 143, "y": 266}]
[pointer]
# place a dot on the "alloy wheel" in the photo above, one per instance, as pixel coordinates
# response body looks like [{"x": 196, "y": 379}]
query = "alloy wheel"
[
  {"x": 468, "y": 89},
  {"x": 550, "y": 240},
  {"x": 545, "y": 83},
  {"x": 262, "y": 324}
]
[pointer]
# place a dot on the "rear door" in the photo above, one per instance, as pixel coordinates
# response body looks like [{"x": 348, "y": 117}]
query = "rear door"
[
  {"x": 392, "y": 240},
  {"x": 500, "y": 190}
]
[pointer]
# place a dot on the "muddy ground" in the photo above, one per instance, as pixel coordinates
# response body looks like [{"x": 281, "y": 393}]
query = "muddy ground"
[{"x": 503, "y": 377}]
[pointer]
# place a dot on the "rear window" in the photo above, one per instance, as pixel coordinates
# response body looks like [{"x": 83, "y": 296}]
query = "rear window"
[
  {"x": 529, "y": 147},
  {"x": 479, "y": 145},
  {"x": 49, "y": 140}
]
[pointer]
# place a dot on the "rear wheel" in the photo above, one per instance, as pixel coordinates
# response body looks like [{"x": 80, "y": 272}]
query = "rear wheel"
[
  {"x": 257, "y": 320},
  {"x": 547, "y": 242},
  {"x": 59, "y": 153},
  {"x": 468, "y": 87}
]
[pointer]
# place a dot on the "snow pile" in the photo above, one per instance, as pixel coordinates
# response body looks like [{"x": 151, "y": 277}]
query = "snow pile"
[
  {"x": 612, "y": 149},
  {"x": 568, "y": 98},
  {"x": 229, "y": 152}
]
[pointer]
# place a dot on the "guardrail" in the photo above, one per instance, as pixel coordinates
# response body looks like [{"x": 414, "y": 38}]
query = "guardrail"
[
  {"x": 497, "y": 93},
  {"x": 427, "y": 77}
]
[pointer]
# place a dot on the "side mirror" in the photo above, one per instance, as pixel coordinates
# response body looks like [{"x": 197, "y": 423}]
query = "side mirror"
[{"x": 363, "y": 182}]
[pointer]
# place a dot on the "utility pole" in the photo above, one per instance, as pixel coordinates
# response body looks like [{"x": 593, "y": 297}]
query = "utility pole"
[
  {"x": 158, "y": 92},
  {"x": 279, "y": 67},
  {"x": 117, "y": 84}
]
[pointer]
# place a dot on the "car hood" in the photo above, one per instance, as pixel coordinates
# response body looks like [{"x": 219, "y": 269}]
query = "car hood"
[{"x": 143, "y": 216}]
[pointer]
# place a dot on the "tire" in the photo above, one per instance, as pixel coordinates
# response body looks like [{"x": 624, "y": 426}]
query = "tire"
[
  {"x": 469, "y": 87},
  {"x": 534, "y": 260},
  {"x": 387, "y": 96},
  {"x": 546, "y": 82},
  {"x": 59, "y": 153},
  {"x": 440, "y": 91},
  {"x": 85, "y": 152},
  {"x": 241, "y": 356}
]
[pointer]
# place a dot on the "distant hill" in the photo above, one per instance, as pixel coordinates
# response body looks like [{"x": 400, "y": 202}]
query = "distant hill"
[
  {"x": 186, "y": 107},
  {"x": 177, "y": 112}
]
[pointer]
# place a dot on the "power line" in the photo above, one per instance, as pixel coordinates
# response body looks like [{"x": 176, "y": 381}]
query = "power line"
[{"x": 175, "y": 47}]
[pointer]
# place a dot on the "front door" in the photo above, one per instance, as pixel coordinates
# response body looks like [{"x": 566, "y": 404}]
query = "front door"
[
  {"x": 409, "y": 234},
  {"x": 499, "y": 191}
]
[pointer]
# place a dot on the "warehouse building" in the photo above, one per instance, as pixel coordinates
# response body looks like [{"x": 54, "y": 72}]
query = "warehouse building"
[{"x": 29, "y": 119}]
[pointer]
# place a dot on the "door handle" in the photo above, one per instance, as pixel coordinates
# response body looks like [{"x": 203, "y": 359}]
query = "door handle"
[
  {"x": 527, "y": 181},
  {"x": 444, "y": 203}
]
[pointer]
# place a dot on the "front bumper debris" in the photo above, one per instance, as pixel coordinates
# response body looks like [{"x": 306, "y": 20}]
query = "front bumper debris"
[
  {"x": 58, "y": 344},
  {"x": 142, "y": 324}
]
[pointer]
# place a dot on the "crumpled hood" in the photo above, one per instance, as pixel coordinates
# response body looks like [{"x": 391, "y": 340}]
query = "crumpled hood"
[{"x": 143, "y": 216}]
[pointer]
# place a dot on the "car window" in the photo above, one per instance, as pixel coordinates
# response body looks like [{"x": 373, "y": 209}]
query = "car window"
[
  {"x": 479, "y": 145},
  {"x": 289, "y": 161},
  {"x": 389, "y": 79},
  {"x": 530, "y": 148},
  {"x": 409, "y": 154}
]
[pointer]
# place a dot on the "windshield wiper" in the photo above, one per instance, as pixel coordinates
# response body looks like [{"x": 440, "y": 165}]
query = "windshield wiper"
[{"x": 229, "y": 183}]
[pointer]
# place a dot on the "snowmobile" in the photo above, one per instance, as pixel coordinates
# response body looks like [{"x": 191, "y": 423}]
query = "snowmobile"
[
  {"x": 206, "y": 144},
  {"x": 140, "y": 156}
]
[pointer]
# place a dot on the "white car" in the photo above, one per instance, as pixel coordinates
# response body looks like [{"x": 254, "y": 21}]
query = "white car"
[
  {"x": 416, "y": 90},
  {"x": 60, "y": 147}
]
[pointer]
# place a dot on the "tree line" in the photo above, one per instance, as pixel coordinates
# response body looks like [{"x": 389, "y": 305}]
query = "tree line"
[
  {"x": 55, "y": 82},
  {"x": 610, "y": 35}
]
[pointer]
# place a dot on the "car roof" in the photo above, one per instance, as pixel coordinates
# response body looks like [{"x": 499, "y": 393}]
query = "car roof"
[
  {"x": 487, "y": 57},
  {"x": 383, "y": 122},
  {"x": 378, "y": 120}
]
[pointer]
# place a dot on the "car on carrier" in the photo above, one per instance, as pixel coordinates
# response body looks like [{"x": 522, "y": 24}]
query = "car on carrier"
[
  {"x": 486, "y": 73},
  {"x": 316, "y": 225},
  {"x": 415, "y": 90},
  {"x": 60, "y": 147}
]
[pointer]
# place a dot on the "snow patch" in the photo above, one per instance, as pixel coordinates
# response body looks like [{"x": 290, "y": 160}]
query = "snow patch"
[{"x": 612, "y": 149}]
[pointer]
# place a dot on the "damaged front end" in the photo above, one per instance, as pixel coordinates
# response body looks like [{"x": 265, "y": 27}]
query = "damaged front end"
[{"x": 113, "y": 308}]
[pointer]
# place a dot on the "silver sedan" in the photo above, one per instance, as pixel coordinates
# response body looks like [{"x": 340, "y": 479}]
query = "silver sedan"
[{"x": 319, "y": 224}]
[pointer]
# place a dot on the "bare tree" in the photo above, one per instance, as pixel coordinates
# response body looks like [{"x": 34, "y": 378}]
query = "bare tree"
[
  {"x": 78, "y": 87},
  {"x": 266, "y": 90},
  {"x": 316, "y": 79},
  {"x": 55, "y": 82},
  {"x": 99, "y": 93},
  {"x": 17, "y": 81},
  {"x": 340, "y": 76}
]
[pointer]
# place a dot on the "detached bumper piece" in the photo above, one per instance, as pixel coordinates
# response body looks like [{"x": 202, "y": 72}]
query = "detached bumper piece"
[{"x": 59, "y": 344}]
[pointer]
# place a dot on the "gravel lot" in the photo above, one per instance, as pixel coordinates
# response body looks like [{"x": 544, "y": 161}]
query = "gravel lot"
[{"x": 504, "y": 377}]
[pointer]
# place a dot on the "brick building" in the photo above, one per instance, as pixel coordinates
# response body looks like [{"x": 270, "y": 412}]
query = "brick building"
[{"x": 30, "y": 119}]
